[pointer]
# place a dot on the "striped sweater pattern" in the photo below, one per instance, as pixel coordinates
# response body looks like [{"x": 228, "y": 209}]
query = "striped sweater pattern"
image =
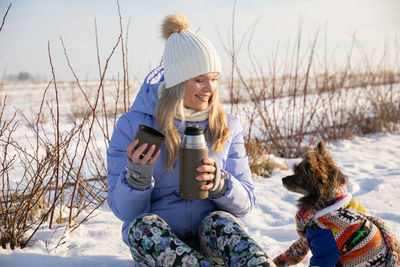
[{"x": 360, "y": 240}]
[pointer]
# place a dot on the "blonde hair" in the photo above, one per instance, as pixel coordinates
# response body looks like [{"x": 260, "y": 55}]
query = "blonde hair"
[{"x": 170, "y": 104}]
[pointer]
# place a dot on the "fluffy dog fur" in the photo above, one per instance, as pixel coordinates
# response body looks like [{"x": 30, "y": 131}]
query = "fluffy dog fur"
[{"x": 316, "y": 177}]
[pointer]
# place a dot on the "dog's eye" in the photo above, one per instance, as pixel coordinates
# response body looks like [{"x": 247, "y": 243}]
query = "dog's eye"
[{"x": 307, "y": 165}]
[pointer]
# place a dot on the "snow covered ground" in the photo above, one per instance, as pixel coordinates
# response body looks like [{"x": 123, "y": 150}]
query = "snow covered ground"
[{"x": 371, "y": 163}]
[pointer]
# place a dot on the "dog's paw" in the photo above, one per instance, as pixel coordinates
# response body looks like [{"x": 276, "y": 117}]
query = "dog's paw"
[{"x": 268, "y": 263}]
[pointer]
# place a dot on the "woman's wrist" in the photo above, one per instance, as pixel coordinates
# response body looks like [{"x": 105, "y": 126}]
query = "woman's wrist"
[
  {"x": 220, "y": 185},
  {"x": 139, "y": 176}
]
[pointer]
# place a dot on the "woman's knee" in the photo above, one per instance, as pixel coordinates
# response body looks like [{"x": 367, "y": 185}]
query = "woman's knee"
[
  {"x": 221, "y": 216},
  {"x": 148, "y": 219},
  {"x": 141, "y": 226},
  {"x": 217, "y": 222}
]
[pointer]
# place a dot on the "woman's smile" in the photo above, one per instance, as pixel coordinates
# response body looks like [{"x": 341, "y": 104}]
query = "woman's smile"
[
  {"x": 199, "y": 90},
  {"x": 203, "y": 98}
]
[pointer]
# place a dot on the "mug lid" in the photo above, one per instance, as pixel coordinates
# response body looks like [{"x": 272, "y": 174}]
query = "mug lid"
[{"x": 152, "y": 131}]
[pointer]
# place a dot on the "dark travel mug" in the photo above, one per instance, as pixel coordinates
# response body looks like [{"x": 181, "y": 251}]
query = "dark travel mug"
[
  {"x": 192, "y": 151},
  {"x": 148, "y": 135}
]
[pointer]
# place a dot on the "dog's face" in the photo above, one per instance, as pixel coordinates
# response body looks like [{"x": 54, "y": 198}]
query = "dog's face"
[
  {"x": 316, "y": 177},
  {"x": 298, "y": 182}
]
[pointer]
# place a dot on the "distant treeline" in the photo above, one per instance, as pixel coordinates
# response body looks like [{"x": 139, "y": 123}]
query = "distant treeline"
[{"x": 23, "y": 76}]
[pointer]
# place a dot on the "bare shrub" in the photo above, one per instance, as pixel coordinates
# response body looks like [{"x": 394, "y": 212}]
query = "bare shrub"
[
  {"x": 32, "y": 200},
  {"x": 285, "y": 111},
  {"x": 61, "y": 171},
  {"x": 261, "y": 161},
  {"x": 292, "y": 103}
]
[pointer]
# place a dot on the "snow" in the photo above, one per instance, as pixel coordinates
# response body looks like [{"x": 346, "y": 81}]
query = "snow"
[{"x": 371, "y": 163}]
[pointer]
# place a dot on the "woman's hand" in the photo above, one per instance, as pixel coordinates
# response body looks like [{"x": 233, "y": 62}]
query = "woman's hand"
[
  {"x": 209, "y": 169},
  {"x": 134, "y": 153}
]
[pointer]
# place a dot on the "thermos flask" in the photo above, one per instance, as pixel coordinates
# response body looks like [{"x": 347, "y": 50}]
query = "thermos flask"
[{"x": 192, "y": 151}]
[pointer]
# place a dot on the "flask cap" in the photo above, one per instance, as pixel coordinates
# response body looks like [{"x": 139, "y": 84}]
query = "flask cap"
[
  {"x": 193, "y": 137},
  {"x": 193, "y": 130}
]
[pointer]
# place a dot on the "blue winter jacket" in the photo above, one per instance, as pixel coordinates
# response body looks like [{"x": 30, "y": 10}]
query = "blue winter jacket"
[{"x": 162, "y": 197}]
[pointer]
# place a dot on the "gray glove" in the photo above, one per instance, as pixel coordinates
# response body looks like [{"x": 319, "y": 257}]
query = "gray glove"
[
  {"x": 138, "y": 176},
  {"x": 220, "y": 185}
]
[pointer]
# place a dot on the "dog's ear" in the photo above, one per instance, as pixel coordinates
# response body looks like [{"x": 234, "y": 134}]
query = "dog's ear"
[{"x": 321, "y": 148}]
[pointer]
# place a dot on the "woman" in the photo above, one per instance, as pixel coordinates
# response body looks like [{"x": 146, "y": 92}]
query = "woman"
[{"x": 160, "y": 228}]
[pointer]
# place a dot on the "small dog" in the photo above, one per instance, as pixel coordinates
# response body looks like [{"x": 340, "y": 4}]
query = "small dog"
[{"x": 331, "y": 223}]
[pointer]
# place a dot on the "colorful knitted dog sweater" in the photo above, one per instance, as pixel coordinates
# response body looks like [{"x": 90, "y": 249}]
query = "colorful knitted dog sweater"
[{"x": 341, "y": 235}]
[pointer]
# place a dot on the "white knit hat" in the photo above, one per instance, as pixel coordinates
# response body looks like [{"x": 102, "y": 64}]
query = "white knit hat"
[{"x": 186, "y": 54}]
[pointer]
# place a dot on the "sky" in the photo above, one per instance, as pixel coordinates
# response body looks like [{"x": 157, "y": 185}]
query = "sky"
[{"x": 33, "y": 24}]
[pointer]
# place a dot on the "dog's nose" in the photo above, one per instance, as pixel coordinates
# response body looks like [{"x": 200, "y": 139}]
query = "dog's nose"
[{"x": 286, "y": 179}]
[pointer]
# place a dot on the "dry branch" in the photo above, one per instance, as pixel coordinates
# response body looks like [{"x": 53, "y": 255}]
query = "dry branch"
[{"x": 4, "y": 17}]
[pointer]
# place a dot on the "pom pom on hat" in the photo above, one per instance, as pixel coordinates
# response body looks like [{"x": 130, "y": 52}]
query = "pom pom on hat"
[
  {"x": 174, "y": 23},
  {"x": 186, "y": 54}
]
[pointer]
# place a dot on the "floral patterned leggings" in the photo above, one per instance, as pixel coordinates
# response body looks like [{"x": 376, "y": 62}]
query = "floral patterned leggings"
[{"x": 223, "y": 242}]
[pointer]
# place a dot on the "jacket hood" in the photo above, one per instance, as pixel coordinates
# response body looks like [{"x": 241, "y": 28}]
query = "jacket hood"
[{"x": 146, "y": 99}]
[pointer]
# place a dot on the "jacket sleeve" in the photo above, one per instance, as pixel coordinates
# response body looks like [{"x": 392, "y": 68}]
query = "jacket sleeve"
[
  {"x": 125, "y": 201},
  {"x": 239, "y": 199}
]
